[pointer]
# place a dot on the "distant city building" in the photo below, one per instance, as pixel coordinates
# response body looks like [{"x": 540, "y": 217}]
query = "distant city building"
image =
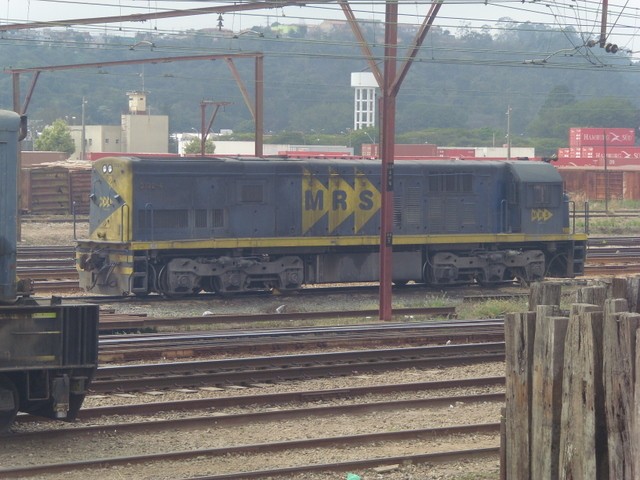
[
  {"x": 364, "y": 110},
  {"x": 98, "y": 138},
  {"x": 138, "y": 132}
]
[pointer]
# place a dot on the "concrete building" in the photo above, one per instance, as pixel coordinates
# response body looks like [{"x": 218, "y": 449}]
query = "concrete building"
[
  {"x": 138, "y": 132},
  {"x": 142, "y": 132},
  {"x": 97, "y": 138},
  {"x": 364, "y": 110}
]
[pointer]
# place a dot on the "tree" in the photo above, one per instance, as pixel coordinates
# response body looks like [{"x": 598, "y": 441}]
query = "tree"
[
  {"x": 194, "y": 147},
  {"x": 605, "y": 112},
  {"x": 56, "y": 138}
]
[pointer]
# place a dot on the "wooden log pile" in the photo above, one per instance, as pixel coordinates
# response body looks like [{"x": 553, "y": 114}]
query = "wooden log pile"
[{"x": 572, "y": 400}]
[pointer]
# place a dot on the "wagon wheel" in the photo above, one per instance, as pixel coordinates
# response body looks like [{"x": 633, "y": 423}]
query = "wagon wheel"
[{"x": 9, "y": 402}]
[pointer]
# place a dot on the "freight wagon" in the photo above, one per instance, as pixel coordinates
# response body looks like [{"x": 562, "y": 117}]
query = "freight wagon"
[
  {"x": 231, "y": 225},
  {"x": 48, "y": 353}
]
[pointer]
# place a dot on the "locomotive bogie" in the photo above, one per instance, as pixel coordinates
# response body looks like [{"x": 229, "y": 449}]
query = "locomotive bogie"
[{"x": 235, "y": 225}]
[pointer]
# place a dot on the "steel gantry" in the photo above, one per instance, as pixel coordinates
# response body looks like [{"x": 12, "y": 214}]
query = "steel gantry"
[
  {"x": 255, "y": 108},
  {"x": 389, "y": 82}
]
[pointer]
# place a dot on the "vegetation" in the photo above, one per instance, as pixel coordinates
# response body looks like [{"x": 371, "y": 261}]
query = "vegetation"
[
  {"x": 455, "y": 94},
  {"x": 492, "y": 308},
  {"x": 56, "y": 137},
  {"x": 194, "y": 147},
  {"x": 617, "y": 222}
]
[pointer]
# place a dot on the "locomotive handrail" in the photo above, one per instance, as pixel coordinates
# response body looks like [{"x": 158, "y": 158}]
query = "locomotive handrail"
[
  {"x": 586, "y": 217},
  {"x": 502, "y": 227},
  {"x": 572, "y": 204},
  {"x": 149, "y": 207},
  {"x": 122, "y": 224}
]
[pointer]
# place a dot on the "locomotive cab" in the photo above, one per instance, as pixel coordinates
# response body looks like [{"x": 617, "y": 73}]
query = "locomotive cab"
[{"x": 535, "y": 201}]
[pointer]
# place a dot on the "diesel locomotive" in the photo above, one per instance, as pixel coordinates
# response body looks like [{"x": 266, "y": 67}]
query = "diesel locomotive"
[
  {"x": 48, "y": 353},
  {"x": 231, "y": 225}
]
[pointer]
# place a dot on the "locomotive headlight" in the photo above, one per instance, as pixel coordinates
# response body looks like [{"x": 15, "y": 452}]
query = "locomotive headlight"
[
  {"x": 110, "y": 168},
  {"x": 104, "y": 169}
]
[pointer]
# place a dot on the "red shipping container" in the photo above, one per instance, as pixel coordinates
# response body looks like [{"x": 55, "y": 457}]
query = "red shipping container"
[
  {"x": 621, "y": 153},
  {"x": 456, "y": 152},
  {"x": 588, "y": 137},
  {"x": 402, "y": 150},
  {"x": 563, "y": 153},
  {"x": 578, "y": 162},
  {"x": 575, "y": 152},
  {"x": 370, "y": 150},
  {"x": 415, "y": 150}
]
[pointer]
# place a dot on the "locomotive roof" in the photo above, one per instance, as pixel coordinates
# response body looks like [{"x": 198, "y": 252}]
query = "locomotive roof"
[
  {"x": 527, "y": 171},
  {"x": 530, "y": 172}
]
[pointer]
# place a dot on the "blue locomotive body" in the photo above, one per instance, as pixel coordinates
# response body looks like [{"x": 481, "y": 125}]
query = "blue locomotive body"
[{"x": 238, "y": 224}]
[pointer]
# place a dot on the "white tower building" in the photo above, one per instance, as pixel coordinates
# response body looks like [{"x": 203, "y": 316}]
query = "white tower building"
[{"x": 364, "y": 112}]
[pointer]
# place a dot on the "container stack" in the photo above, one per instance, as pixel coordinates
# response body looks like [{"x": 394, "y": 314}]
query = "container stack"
[{"x": 589, "y": 147}]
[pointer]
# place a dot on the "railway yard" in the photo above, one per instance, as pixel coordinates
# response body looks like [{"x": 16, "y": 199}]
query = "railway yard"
[{"x": 307, "y": 385}]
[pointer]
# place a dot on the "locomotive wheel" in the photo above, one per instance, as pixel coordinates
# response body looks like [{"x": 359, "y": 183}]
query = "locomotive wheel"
[
  {"x": 8, "y": 391},
  {"x": 162, "y": 285},
  {"x": 161, "y": 282}
]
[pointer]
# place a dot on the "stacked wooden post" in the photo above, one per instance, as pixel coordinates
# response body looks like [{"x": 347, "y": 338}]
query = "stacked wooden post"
[{"x": 572, "y": 400}]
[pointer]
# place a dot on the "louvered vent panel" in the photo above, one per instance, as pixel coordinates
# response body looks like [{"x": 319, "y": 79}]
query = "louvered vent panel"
[
  {"x": 413, "y": 206},
  {"x": 452, "y": 215},
  {"x": 435, "y": 219}
]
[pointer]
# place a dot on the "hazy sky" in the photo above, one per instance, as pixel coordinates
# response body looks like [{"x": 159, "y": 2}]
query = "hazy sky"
[{"x": 583, "y": 14}]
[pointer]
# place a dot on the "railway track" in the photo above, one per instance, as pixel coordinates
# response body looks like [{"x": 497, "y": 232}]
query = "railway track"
[
  {"x": 110, "y": 322},
  {"x": 52, "y": 268},
  {"x": 245, "y": 371},
  {"x": 276, "y": 453},
  {"x": 268, "y": 399},
  {"x": 287, "y": 448},
  {"x": 158, "y": 346}
]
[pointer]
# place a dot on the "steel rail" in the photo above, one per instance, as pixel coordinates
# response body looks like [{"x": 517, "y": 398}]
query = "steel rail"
[
  {"x": 118, "y": 348},
  {"x": 266, "y": 369},
  {"x": 142, "y": 409},
  {"x": 147, "y": 322},
  {"x": 327, "y": 442},
  {"x": 257, "y": 417},
  {"x": 440, "y": 327},
  {"x": 145, "y": 409},
  {"x": 439, "y": 458}
]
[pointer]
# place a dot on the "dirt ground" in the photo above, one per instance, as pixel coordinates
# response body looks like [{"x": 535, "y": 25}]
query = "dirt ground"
[{"x": 52, "y": 232}]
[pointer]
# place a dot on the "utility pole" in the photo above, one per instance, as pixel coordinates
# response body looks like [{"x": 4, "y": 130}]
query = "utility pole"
[
  {"x": 204, "y": 130},
  {"x": 387, "y": 148},
  {"x": 509, "y": 132},
  {"x": 389, "y": 82},
  {"x": 83, "y": 139},
  {"x": 606, "y": 173}
]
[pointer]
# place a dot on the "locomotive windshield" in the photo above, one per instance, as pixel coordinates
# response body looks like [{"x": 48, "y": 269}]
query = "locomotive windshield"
[{"x": 543, "y": 195}]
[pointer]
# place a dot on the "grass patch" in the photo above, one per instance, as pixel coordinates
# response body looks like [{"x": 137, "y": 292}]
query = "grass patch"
[{"x": 491, "y": 308}]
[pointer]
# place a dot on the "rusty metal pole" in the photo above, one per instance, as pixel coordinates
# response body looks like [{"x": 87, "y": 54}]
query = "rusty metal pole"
[
  {"x": 387, "y": 148},
  {"x": 603, "y": 24},
  {"x": 203, "y": 106},
  {"x": 259, "y": 106}
]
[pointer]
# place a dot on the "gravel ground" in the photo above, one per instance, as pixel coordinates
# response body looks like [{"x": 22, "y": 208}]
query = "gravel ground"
[
  {"x": 97, "y": 446},
  {"x": 209, "y": 436}
]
